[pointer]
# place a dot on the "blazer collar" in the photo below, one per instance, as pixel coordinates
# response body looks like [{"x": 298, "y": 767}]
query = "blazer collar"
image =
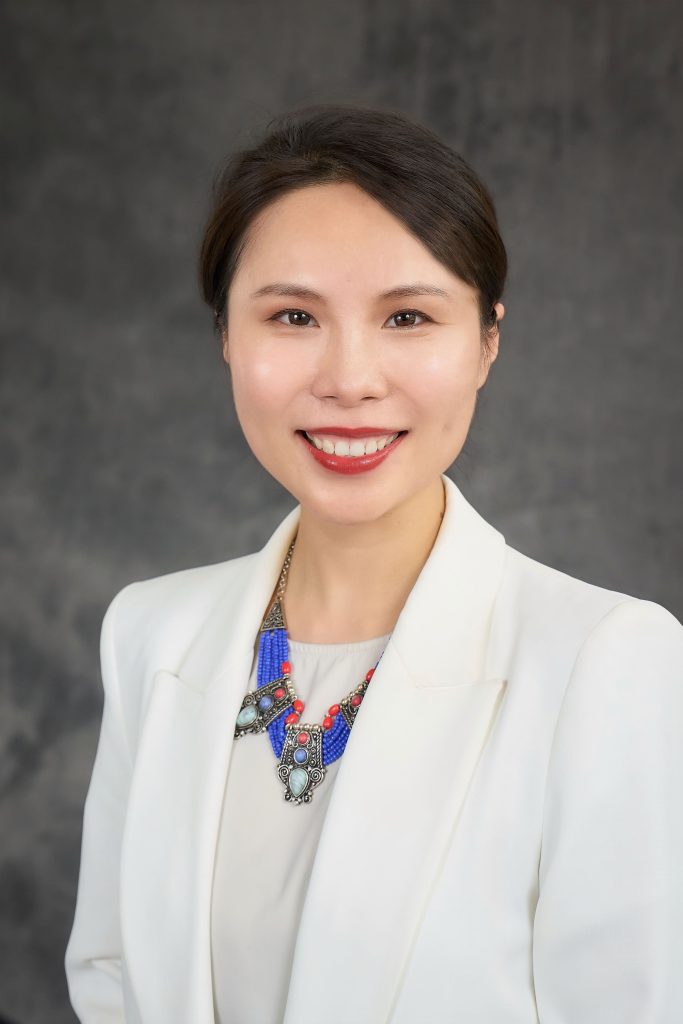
[
  {"x": 448, "y": 609},
  {"x": 396, "y": 802}
]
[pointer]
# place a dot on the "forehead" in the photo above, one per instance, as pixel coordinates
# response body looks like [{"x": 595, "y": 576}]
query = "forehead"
[{"x": 335, "y": 236}]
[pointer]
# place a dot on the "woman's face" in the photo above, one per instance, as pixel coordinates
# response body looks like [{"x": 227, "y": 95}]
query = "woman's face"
[{"x": 350, "y": 355}]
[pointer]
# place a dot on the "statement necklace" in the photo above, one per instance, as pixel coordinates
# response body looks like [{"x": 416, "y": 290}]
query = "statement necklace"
[{"x": 303, "y": 750}]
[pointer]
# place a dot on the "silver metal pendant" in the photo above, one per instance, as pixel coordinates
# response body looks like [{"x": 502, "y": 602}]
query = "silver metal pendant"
[
  {"x": 261, "y": 706},
  {"x": 301, "y": 767}
]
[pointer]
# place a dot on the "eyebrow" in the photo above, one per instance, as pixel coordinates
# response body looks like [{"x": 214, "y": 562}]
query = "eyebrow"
[{"x": 301, "y": 292}]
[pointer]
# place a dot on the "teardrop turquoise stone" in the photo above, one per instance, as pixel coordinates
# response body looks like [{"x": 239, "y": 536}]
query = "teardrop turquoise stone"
[
  {"x": 247, "y": 716},
  {"x": 298, "y": 778}
]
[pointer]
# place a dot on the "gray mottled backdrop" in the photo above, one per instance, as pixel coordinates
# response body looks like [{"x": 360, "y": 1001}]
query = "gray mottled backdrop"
[{"x": 121, "y": 455}]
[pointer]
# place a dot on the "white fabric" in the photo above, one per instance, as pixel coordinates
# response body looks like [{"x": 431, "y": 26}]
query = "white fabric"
[
  {"x": 515, "y": 860},
  {"x": 266, "y": 845}
]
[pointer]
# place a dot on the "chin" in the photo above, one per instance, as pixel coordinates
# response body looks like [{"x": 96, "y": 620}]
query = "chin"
[{"x": 353, "y": 508}]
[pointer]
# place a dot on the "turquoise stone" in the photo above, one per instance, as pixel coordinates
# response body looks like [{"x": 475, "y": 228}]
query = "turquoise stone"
[
  {"x": 247, "y": 716},
  {"x": 298, "y": 778}
]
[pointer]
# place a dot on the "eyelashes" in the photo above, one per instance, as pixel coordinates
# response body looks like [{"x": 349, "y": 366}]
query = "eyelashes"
[{"x": 398, "y": 313}]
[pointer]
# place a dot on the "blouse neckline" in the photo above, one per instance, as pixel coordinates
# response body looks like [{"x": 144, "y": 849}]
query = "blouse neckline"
[{"x": 354, "y": 645}]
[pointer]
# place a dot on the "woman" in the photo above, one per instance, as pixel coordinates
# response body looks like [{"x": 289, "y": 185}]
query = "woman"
[{"x": 387, "y": 768}]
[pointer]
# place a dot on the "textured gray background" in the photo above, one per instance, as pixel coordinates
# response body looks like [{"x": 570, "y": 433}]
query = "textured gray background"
[{"x": 120, "y": 452}]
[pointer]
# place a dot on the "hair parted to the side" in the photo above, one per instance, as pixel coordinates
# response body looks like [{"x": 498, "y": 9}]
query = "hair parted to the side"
[{"x": 399, "y": 162}]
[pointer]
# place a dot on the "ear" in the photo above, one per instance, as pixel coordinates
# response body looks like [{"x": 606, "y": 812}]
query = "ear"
[
  {"x": 224, "y": 345},
  {"x": 490, "y": 352}
]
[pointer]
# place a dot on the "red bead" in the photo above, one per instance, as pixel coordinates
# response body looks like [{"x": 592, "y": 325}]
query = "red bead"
[
  {"x": 369, "y": 674},
  {"x": 292, "y": 719},
  {"x": 328, "y": 722},
  {"x": 356, "y": 699},
  {"x": 279, "y": 693},
  {"x": 298, "y": 705},
  {"x": 286, "y": 668},
  {"x": 302, "y": 737},
  {"x": 333, "y": 710}
]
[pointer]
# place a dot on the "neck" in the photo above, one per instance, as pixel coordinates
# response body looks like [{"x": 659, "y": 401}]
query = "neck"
[{"x": 349, "y": 583}]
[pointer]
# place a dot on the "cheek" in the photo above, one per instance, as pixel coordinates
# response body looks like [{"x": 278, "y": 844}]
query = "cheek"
[
  {"x": 445, "y": 388},
  {"x": 262, "y": 387}
]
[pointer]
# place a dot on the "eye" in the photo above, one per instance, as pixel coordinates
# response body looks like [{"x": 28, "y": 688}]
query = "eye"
[
  {"x": 409, "y": 313},
  {"x": 300, "y": 313},
  {"x": 292, "y": 313}
]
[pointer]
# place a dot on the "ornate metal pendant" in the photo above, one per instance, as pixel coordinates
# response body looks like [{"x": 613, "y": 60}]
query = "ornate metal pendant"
[
  {"x": 260, "y": 707},
  {"x": 301, "y": 762}
]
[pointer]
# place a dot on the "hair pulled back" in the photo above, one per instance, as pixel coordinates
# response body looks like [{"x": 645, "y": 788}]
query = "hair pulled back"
[{"x": 399, "y": 162}]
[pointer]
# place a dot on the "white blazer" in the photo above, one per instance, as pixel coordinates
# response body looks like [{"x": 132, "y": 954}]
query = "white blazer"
[{"x": 504, "y": 842}]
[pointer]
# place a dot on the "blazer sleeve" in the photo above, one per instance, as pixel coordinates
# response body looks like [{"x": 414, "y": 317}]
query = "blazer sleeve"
[
  {"x": 93, "y": 954},
  {"x": 608, "y": 928}
]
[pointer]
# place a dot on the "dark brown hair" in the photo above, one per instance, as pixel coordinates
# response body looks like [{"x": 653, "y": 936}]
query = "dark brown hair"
[{"x": 402, "y": 164}]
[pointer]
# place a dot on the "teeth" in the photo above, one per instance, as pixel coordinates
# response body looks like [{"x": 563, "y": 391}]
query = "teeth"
[{"x": 353, "y": 448}]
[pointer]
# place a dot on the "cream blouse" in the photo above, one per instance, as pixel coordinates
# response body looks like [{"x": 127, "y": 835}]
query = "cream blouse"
[{"x": 267, "y": 845}]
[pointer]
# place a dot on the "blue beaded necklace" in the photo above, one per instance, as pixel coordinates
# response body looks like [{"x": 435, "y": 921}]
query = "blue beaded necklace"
[{"x": 303, "y": 750}]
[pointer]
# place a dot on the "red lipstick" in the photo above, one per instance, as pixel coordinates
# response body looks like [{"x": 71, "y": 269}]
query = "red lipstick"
[
  {"x": 353, "y": 431},
  {"x": 348, "y": 465}
]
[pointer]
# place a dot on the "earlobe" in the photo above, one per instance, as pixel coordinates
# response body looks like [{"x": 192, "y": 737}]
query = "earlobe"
[
  {"x": 225, "y": 347},
  {"x": 485, "y": 366},
  {"x": 488, "y": 358}
]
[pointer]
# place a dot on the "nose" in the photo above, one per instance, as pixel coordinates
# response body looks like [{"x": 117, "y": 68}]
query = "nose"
[{"x": 350, "y": 367}]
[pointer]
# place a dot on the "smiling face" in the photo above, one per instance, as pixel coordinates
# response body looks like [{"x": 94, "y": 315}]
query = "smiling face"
[{"x": 331, "y": 349}]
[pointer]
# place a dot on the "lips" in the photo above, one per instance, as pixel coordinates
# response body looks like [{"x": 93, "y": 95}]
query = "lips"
[
  {"x": 353, "y": 431},
  {"x": 348, "y": 465}
]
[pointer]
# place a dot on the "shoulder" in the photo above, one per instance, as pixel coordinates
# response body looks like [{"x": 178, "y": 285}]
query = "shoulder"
[
  {"x": 154, "y": 620},
  {"x": 543, "y": 598},
  {"x": 188, "y": 591},
  {"x": 548, "y": 625},
  {"x": 637, "y": 641}
]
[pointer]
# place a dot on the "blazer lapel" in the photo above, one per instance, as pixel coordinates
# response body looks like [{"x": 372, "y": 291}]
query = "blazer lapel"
[
  {"x": 396, "y": 799},
  {"x": 402, "y": 782},
  {"x": 174, "y": 807}
]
